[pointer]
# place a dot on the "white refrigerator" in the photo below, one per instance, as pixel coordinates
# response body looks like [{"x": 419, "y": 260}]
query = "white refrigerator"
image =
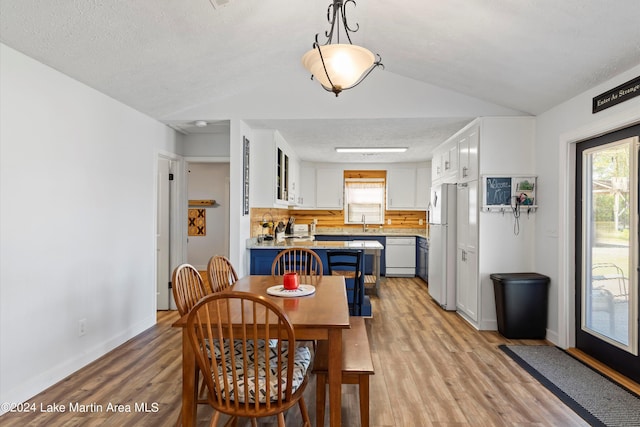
[{"x": 442, "y": 245}]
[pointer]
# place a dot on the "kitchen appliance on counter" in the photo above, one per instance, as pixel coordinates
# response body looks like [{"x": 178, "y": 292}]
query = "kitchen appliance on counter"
[
  {"x": 267, "y": 227},
  {"x": 442, "y": 245},
  {"x": 300, "y": 232},
  {"x": 279, "y": 231},
  {"x": 290, "y": 225}
]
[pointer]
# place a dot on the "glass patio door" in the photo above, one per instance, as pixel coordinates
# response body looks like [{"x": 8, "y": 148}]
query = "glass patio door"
[{"x": 607, "y": 250}]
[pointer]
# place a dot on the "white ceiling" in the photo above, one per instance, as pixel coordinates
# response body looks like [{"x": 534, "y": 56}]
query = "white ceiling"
[{"x": 170, "y": 59}]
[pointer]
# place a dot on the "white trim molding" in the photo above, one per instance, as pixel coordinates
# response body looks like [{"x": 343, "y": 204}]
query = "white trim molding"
[{"x": 566, "y": 221}]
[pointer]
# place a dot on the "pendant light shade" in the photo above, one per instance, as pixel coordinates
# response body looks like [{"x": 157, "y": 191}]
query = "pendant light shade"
[
  {"x": 339, "y": 66},
  {"x": 345, "y": 63}
]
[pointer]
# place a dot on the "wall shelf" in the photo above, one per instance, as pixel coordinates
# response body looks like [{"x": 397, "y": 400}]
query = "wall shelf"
[{"x": 202, "y": 202}]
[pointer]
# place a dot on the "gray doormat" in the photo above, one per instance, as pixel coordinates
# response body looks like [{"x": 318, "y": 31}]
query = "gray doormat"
[{"x": 598, "y": 400}]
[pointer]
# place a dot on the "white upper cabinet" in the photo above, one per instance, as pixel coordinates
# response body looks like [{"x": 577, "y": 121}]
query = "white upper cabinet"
[
  {"x": 468, "y": 155},
  {"x": 286, "y": 173},
  {"x": 273, "y": 171},
  {"x": 445, "y": 162},
  {"x": 423, "y": 187},
  {"x": 401, "y": 188},
  {"x": 307, "y": 193},
  {"x": 329, "y": 188},
  {"x": 294, "y": 180},
  {"x": 408, "y": 188}
]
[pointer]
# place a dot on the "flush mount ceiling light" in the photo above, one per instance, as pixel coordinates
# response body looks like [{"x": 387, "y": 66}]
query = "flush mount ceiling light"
[
  {"x": 371, "y": 149},
  {"x": 200, "y": 123},
  {"x": 339, "y": 66}
]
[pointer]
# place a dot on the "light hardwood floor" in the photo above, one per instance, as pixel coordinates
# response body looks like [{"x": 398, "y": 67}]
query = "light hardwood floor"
[{"x": 432, "y": 369}]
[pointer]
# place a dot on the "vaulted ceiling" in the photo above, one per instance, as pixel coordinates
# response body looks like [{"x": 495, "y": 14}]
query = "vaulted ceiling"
[{"x": 180, "y": 61}]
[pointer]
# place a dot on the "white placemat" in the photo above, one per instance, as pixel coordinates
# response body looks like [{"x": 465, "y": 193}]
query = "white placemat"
[{"x": 302, "y": 290}]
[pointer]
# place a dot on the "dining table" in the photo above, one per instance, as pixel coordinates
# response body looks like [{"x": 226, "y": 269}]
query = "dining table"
[{"x": 321, "y": 315}]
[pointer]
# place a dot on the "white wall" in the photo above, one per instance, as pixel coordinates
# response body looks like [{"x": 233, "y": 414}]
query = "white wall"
[
  {"x": 506, "y": 244},
  {"x": 77, "y": 214},
  {"x": 209, "y": 181},
  {"x": 239, "y": 224},
  {"x": 556, "y": 132},
  {"x": 205, "y": 145}
]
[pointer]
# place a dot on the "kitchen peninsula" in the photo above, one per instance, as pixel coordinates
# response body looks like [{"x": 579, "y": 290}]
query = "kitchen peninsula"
[{"x": 263, "y": 254}]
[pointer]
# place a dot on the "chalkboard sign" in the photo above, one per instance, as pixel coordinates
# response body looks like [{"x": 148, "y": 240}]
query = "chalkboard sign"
[{"x": 498, "y": 191}]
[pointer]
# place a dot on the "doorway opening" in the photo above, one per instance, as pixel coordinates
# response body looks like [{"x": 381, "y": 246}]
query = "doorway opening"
[
  {"x": 607, "y": 249},
  {"x": 208, "y": 181}
]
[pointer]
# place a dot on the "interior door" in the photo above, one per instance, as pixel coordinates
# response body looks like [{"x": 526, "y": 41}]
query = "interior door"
[
  {"x": 607, "y": 249},
  {"x": 162, "y": 235}
]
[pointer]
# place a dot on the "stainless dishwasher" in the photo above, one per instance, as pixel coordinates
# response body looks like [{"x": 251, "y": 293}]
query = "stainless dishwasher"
[{"x": 400, "y": 256}]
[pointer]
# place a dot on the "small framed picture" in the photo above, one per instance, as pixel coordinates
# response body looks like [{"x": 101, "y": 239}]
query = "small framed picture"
[{"x": 245, "y": 176}]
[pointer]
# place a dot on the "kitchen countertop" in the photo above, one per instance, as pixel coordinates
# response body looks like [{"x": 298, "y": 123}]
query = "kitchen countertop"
[
  {"x": 372, "y": 232},
  {"x": 315, "y": 244}
]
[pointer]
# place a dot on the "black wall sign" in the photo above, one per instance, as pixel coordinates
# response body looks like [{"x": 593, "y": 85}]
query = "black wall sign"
[{"x": 615, "y": 96}]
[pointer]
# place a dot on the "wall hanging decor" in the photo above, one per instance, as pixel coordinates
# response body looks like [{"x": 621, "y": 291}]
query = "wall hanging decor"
[
  {"x": 245, "y": 176},
  {"x": 507, "y": 192},
  {"x": 197, "y": 222}
]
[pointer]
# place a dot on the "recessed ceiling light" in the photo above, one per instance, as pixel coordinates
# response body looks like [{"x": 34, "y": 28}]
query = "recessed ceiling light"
[{"x": 371, "y": 149}]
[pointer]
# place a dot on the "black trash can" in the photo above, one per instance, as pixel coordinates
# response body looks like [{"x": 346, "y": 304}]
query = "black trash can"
[{"x": 521, "y": 304}]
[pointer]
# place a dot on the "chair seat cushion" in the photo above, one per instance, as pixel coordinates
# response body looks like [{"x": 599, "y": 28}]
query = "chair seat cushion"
[
  {"x": 302, "y": 360},
  {"x": 237, "y": 344}
]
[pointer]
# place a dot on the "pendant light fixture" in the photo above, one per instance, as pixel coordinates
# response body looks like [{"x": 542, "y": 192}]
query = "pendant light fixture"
[{"x": 339, "y": 66}]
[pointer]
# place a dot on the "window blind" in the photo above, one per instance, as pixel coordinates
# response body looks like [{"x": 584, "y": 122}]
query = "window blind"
[{"x": 364, "y": 199}]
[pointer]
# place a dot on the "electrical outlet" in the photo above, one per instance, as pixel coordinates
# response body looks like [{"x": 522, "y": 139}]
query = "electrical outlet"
[
  {"x": 82, "y": 327},
  {"x": 420, "y": 221},
  {"x": 388, "y": 221}
]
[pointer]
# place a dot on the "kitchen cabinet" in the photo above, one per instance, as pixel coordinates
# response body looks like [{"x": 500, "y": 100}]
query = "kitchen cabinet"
[
  {"x": 423, "y": 187},
  {"x": 307, "y": 186},
  {"x": 294, "y": 180},
  {"x": 282, "y": 175},
  {"x": 468, "y": 155},
  {"x": 467, "y": 283},
  {"x": 274, "y": 171},
  {"x": 445, "y": 162},
  {"x": 486, "y": 242},
  {"x": 329, "y": 188},
  {"x": 401, "y": 188},
  {"x": 286, "y": 175},
  {"x": 408, "y": 188},
  {"x": 422, "y": 258}
]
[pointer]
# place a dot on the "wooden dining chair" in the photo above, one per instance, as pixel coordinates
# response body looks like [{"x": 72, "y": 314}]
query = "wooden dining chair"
[
  {"x": 304, "y": 261},
  {"x": 244, "y": 377},
  {"x": 220, "y": 273},
  {"x": 187, "y": 287}
]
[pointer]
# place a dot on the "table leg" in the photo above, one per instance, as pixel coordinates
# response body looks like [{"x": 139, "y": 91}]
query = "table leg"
[
  {"x": 189, "y": 383},
  {"x": 376, "y": 271},
  {"x": 335, "y": 377}
]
